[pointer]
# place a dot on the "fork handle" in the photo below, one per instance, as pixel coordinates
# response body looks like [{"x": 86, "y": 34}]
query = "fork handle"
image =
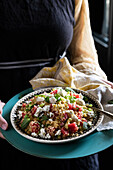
[{"x": 104, "y": 112}]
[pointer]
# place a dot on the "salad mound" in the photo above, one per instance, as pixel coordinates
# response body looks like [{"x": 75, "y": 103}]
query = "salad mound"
[{"x": 59, "y": 114}]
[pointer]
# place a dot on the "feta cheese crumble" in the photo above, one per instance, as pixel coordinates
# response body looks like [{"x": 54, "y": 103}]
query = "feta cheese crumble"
[
  {"x": 42, "y": 133},
  {"x": 39, "y": 110},
  {"x": 20, "y": 114},
  {"x": 40, "y": 99},
  {"x": 52, "y": 100},
  {"x": 61, "y": 91},
  {"x": 58, "y": 133},
  {"x": 34, "y": 134},
  {"x": 46, "y": 108}
]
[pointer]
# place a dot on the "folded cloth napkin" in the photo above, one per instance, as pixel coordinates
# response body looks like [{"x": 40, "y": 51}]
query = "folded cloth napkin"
[
  {"x": 63, "y": 74},
  {"x": 104, "y": 95}
]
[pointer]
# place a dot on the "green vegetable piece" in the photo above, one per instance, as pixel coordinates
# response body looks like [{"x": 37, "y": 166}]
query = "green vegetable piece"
[
  {"x": 41, "y": 105},
  {"x": 85, "y": 99},
  {"x": 89, "y": 109},
  {"x": 40, "y": 95},
  {"x": 47, "y": 99},
  {"x": 69, "y": 89},
  {"x": 25, "y": 122},
  {"x": 72, "y": 99},
  {"x": 57, "y": 96},
  {"x": 29, "y": 107},
  {"x": 90, "y": 105},
  {"x": 110, "y": 101},
  {"x": 44, "y": 118}
]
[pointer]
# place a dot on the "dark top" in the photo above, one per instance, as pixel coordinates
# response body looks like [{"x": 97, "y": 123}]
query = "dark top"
[{"x": 35, "y": 33}]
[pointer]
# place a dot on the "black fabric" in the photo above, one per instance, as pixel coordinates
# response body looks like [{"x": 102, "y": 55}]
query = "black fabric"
[
  {"x": 34, "y": 29},
  {"x": 13, "y": 158}
]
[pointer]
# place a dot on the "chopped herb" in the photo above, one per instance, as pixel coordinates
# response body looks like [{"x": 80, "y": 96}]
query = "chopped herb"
[{"x": 47, "y": 99}]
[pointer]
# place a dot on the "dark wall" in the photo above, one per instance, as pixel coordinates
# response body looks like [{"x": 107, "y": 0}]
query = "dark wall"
[
  {"x": 102, "y": 55},
  {"x": 96, "y": 14},
  {"x": 96, "y": 17}
]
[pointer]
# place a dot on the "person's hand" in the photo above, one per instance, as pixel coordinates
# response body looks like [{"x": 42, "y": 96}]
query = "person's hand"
[{"x": 3, "y": 122}]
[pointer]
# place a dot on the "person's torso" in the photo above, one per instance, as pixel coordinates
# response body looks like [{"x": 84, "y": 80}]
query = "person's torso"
[
  {"x": 35, "y": 28},
  {"x": 33, "y": 33}
]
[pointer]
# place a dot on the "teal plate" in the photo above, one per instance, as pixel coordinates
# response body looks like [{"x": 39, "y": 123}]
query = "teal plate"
[{"x": 93, "y": 143}]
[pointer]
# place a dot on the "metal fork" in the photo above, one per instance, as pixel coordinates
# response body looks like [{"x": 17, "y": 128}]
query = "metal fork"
[{"x": 102, "y": 111}]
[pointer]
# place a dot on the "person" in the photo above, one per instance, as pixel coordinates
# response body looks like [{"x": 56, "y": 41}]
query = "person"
[{"x": 33, "y": 34}]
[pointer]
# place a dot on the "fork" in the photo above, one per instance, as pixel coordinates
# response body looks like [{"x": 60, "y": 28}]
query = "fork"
[{"x": 102, "y": 111}]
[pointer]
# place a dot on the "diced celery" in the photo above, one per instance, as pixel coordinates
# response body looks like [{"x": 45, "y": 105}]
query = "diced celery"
[{"x": 42, "y": 104}]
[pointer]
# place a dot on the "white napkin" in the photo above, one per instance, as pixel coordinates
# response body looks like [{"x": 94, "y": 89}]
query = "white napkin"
[{"x": 104, "y": 94}]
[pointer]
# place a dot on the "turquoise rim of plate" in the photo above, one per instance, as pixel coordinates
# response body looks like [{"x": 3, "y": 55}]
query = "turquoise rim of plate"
[{"x": 91, "y": 144}]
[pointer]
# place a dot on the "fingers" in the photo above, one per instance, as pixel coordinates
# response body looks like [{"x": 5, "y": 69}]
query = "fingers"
[
  {"x": 1, "y": 106},
  {"x": 3, "y": 123}
]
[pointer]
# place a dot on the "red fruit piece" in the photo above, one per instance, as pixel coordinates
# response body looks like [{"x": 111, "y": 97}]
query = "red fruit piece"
[
  {"x": 76, "y": 95},
  {"x": 70, "y": 106},
  {"x": 73, "y": 127},
  {"x": 64, "y": 132},
  {"x": 24, "y": 105},
  {"x": 51, "y": 106},
  {"x": 54, "y": 92},
  {"x": 23, "y": 114},
  {"x": 33, "y": 110},
  {"x": 76, "y": 107}
]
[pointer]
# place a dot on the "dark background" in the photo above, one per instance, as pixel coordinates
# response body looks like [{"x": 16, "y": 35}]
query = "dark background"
[
  {"x": 104, "y": 46},
  {"x": 103, "y": 40}
]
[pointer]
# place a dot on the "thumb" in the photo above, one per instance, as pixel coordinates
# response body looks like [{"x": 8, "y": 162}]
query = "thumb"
[
  {"x": 3, "y": 123},
  {"x": 1, "y": 106}
]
